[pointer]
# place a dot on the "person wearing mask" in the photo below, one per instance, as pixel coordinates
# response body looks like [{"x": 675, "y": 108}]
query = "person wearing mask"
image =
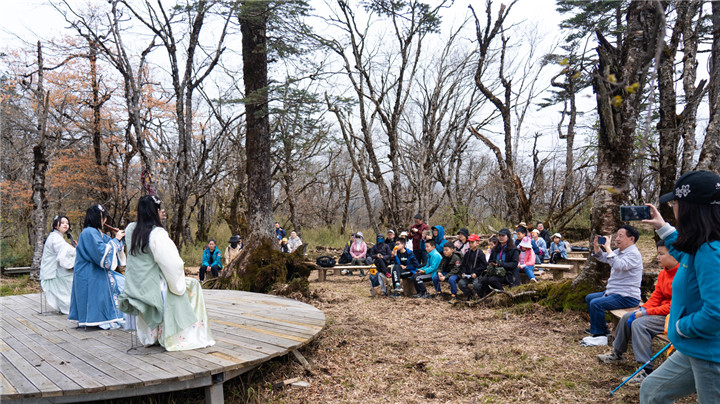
[
  {"x": 694, "y": 323},
  {"x": 472, "y": 268},
  {"x": 358, "y": 251},
  {"x": 211, "y": 260},
  {"x": 380, "y": 255},
  {"x": 233, "y": 250},
  {"x": 416, "y": 235},
  {"x": 56, "y": 267}
]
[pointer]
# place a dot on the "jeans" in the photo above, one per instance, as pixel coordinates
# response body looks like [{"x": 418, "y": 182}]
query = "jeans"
[
  {"x": 529, "y": 271},
  {"x": 452, "y": 280},
  {"x": 215, "y": 270},
  {"x": 681, "y": 375},
  {"x": 642, "y": 330},
  {"x": 378, "y": 280},
  {"x": 358, "y": 262},
  {"x": 420, "y": 280},
  {"x": 598, "y": 303}
]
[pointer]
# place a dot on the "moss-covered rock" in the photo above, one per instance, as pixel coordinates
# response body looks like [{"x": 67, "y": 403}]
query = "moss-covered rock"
[{"x": 563, "y": 296}]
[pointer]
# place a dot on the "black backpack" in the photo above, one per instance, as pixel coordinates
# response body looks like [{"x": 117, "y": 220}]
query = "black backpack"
[{"x": 325, "y": 261}]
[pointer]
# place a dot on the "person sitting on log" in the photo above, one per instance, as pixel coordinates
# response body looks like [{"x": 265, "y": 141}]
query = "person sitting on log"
[
  {"x": 647, "y": 321},
  {"x": 405, "y": 264},
  {"x": 426, "y": 272},
  {"x": 233, "y": 249},
  {"x": 462, "y": 244},
  {"x": 502, "y": 266},
  {"x": 473, "y": 265},
  {"x": 557, "y": 249},
  {"x": 438, "y": 234},
  {"x": 211, "y": 260},
  {"x": 449, "y": 270},
  {"x": 623, "y": 286}
]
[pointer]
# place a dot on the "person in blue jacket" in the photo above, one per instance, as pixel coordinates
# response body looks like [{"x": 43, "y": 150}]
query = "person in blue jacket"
[
  {"x": 694, "y": 324},
  {"x": 426, "y": 273},
  {"x": 438, "y": 233},
  {"x": 405, "y": 264},
  {"x": 211, "y": 260}
]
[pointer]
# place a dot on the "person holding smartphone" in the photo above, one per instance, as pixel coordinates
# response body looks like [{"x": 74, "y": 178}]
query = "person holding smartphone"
[
  {"x": 623, "y": 286},
  {"x": 694, "y": 323}
]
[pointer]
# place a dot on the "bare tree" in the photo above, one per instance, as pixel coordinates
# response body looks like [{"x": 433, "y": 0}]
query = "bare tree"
[{"x": 710, "y": 152}]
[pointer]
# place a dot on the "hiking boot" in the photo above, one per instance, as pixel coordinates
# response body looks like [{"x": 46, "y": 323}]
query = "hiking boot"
[
  {"x": 372, "y": 292},
  {"x": 638, "y": 378},
  {"x": 437, "y": 296},
  {"x": 397, "y": 289},
  {"x": 362, "y": 273},
  {"x": 453, "y": 300},
  {"x": 609, "y": 358},
  {"x": 426, "y": 296},
  {"x": 418, "y": 296}
]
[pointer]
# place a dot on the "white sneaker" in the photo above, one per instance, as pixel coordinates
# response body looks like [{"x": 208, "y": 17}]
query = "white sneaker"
[
  {"x": 594, "y": 341},
  {"x": 638, "y": 378},
  {"x": 533, "y": 280},
  {"x": 344, "y": 271}
]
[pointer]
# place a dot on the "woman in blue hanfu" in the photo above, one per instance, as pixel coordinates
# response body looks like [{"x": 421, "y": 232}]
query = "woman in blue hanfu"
[
  {"x": 162, "y": 304},
  {"x": 96, "y": 285},
  {"x": 56, "y": 267}
]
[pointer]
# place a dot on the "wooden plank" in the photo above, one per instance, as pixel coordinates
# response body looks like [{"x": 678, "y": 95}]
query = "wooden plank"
[
  {"x": 5, "y": 387},
  {"x": 22, "y": 386},
  {"x": 272, "y": 322},
  {"x": 31, "y": 372},
  {"x": 96, "y": 360},
  {"x": 44, "y": 366}
]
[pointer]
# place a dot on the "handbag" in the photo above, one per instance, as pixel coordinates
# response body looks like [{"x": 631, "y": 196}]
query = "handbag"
[{"x": 325, "y": 261}]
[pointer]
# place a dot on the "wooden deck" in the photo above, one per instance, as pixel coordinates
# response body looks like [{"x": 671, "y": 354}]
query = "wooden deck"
[{"x": 45, "y": 358}]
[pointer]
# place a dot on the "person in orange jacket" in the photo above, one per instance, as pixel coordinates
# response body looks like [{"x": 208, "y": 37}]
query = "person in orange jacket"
[{"x": 647, "y": 321}]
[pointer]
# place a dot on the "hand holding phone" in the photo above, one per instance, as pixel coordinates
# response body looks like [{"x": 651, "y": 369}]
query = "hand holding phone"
[{"x": 602, "y": 240}]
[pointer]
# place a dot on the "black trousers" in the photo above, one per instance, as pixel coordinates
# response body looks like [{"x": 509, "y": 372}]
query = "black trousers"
[
  {"x": 399, "y": 273},
  {"x": 555, "y": 257},
  {"x": 469, "y": 286},
  {"x": 215, "y": 271},
  {"x": 486, "y": 282},
  {"x": 381, "y": 265},
  {"x": 420, "y": 280}
]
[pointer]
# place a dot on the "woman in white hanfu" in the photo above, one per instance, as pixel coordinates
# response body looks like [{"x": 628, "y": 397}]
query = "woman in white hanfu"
[
  {"x": 56, "y": 267},
  {"x": 162, "y": 304}
]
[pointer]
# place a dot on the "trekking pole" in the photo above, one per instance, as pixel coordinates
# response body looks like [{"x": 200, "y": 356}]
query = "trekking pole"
[{"x": 641, "y": 368}]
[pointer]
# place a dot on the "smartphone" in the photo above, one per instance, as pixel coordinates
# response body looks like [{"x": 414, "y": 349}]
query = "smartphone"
[
  {"x": 602, "y": 240},
  {"x": 628, "y": 213}
]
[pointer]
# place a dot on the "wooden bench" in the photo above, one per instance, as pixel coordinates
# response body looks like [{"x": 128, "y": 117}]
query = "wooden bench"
[
  {"x": 557, "y": 270},
  {"x": 16, "y": 270},
  {"x": 581, "y": 254},
  {"x": 322, "y": 274},
  {"x": 577, "y": 262},
  {"x": 618, "y": 313}
]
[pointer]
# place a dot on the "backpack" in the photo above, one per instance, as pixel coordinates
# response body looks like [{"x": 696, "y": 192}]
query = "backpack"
[{"x": 325, "y": 261}]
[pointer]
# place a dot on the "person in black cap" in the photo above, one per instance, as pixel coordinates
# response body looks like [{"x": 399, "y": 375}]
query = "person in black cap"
[
  {"x": 694, "y": 321},
  {"x": 461, "y": 244},
  {"x": 233, "y": 249},
  {"x": 502, "y": 266}
]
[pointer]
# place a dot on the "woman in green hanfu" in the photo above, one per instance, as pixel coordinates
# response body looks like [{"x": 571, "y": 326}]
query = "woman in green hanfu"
[{"x": 162, "y": 304}]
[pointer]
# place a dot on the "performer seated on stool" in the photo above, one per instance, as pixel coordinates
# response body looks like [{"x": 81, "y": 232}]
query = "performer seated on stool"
[
  {"x": 165, "y": 306},
  {"x": 56, "y": 267}
]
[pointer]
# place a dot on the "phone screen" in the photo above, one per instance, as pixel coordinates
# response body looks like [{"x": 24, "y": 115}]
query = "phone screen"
[{"x": 628, "y": 213}]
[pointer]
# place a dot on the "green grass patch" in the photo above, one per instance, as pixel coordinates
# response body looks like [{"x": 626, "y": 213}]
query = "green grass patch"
[{"x": 18, "y": 285}]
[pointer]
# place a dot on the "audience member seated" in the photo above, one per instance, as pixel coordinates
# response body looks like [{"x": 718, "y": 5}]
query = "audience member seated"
[
  {"x": 426, "y": 272},
  {"x": 279, "y": 232},
  {"x": 542, "y": 247},
  {"x": 390, "y": 239},
  {"x": 472, "y": 268},
  {"x": 493, "y": 242},
  {"x": 544, "y": 234},
  {"x": 405, "y": 264},
  {"x": 557, "y": 249},
  {"x": 623, "y": 286},
  {"x": 233, "y": 250},
  {"x": 521, "y": 233},
  {"x": 358, "y": 251},
  {"x": 345, "y": 257},
  {"x": 294, "y": 241},
  {"x": 449, "y": 270},
  {"x": 162, "y": 304},
  {"x": 502, "y": 266},
  {"x": 416, "y": 235},
  {"x": 438, "y": 234},
  {"x": 96, "y": 285},
  {"x": 646, "y": 322},
  {"x": 527, "y": 259},
  {"x": 408, "y": 241},
  {"x": 284, "y": 245},
  {"x": 211, "y": 260},
  {"x": 380, "y": 255},
  {"x": 56, "y": 267},
  {"x": 461, "y": 244}
]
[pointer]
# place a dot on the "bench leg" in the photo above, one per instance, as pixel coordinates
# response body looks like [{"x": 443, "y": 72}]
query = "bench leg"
[
  {"x": 338, "y": 272},
  {"x": 321, "y": 274},
  {"x": 408, "y": 287}
]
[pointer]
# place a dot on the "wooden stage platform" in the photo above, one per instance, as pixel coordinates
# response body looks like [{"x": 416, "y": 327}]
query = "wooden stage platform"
[{"x": 45, "y": 358}]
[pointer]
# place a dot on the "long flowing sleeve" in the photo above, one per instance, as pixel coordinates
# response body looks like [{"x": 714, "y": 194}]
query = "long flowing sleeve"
[
  {"x": 168, "y": 259},
  {"x": 66, "y": 255}
]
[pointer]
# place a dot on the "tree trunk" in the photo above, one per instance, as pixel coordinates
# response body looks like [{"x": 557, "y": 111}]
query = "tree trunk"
[
  {"x": 346, "y": 204},
  {"x": 618, "y": 110},
  {"x": 710, "y": 152},
  {"x": 692, "y": 100},
  {"x": 38, "y": 216},
  {"x": 253, "y": 20}
]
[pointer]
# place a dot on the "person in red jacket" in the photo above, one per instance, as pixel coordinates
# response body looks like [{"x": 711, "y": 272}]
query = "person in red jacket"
[
  {"x": 416, "y": 234},
  {"x": 648, "y": 320}
]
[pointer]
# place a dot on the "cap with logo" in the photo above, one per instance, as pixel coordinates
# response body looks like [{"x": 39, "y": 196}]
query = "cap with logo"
[{"x": 702, "y": 187}]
